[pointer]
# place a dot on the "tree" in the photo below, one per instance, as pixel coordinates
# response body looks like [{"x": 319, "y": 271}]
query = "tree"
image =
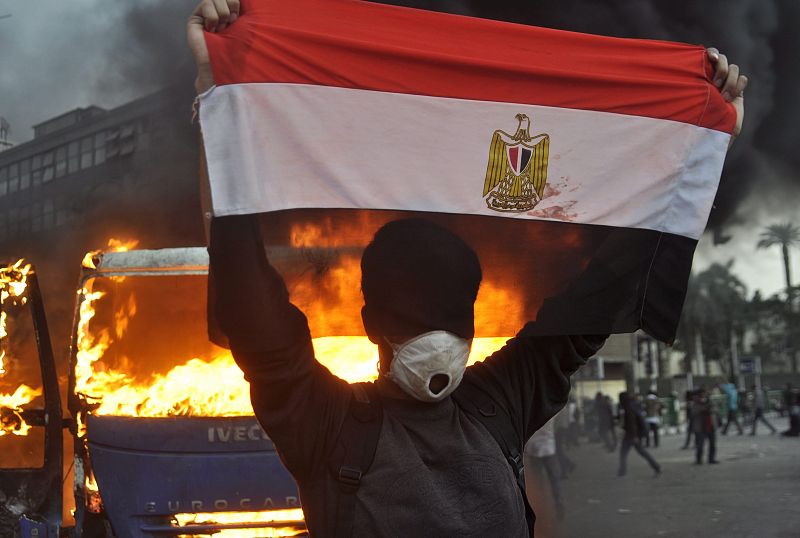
[
  {"x": 786, "y": 235},
  {"x": 714, "y": 310},
  {"x": 772, "y": 330}
]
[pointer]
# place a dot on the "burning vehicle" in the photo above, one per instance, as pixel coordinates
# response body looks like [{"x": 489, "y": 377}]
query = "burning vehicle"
[
  {"x": 164, "y": 441},
  {"x": 164, "y": 438}
]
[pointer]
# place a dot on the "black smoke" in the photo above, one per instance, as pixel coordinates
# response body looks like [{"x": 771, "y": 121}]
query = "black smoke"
[{"x": 148, "y": 50}]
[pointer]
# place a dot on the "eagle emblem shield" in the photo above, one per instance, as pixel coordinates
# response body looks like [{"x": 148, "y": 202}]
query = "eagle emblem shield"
[{"x": 517, "y": 170}]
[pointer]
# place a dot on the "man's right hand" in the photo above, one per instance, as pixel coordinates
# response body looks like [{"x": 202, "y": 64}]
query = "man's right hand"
[{"x": 210, "y": 16}]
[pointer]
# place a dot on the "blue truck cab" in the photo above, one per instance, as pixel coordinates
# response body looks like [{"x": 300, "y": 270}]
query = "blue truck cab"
[{"x": 145, "y": 464}]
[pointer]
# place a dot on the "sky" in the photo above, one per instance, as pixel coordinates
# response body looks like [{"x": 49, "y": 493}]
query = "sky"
[
  {"x": 57, "y": 55},
  {"x": 52, "y": 52}
]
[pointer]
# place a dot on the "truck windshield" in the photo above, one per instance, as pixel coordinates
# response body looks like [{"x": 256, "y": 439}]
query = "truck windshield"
[
  {"x": 21, "y": 444},
  {"x": 143, "y": 350}
]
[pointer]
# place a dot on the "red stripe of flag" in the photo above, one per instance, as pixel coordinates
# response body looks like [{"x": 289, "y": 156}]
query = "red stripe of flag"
[{"x": 353, "y": 44}]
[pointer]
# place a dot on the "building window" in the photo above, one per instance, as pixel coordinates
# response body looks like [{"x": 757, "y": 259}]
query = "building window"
[
  {"x": 13, "y": 223},
  {"x": 36, "y": 170},
  {"x": 48, "y": 215},
  {"x": 127, "y": 139},
  {"x": 36, "y": 217},
  {"x": 73, "y": 159},
  {"x": 61, "y": 217},
  {"x": 48, "y": 167},
  {"x": 25, "y": 174},
  {"x": 42, "y": 216},
  {"x": 61, "y": 161},
  {"x": 112, "y": 144},
  {"x": 3, "y": 181},
  {"x": 99, "y": 148},
  {"x": 86, "y": 152},
  {"x": 13, "y": 177},
  {"x": 23, "y": 219},
  {"x": 121, "y": 141}
]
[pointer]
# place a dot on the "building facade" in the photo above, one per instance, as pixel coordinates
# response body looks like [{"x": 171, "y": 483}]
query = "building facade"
[{"x": 90, "y": 175}]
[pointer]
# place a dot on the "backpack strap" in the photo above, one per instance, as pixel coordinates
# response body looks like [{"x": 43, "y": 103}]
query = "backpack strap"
[
  {"x": 498, "y": 422},
  {"x": 354, "y": 452}
]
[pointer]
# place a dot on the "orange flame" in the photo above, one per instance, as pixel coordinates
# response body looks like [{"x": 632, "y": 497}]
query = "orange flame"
[
  {"x": 306, "y": 236},
  {"x": 209, "y": 387},
  {"x": 214, "y": 386},
  {"x": 11, "y": 421},
  {"x": 113, "y": 245},
  {"x": 13, "y": 283},
  {"x": 285, "y": 518},
  {"x": 94, "y": 503},
  {"x": 205, "y": 387},
  {"x": 90, "y": 348}
]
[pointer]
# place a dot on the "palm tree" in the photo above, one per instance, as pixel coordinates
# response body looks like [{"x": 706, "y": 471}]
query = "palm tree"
[
  {"x": 786, "y": 235},
  {"x": 713, "y": 311}
]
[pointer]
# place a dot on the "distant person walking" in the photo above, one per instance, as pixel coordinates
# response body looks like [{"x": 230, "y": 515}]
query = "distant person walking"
[
  {"x": 633, "y": 424},
  {"x": 605, "y": 421},
  {"x": 613, "y": 420},
  {"x": 689, "y": 416},
  {"x": 574, "y": 422},
  {"x": 759, "y": 406},
  {"x": 540, "y": 461},
  {"x": 788, "y": 399},
  {"x": 730, "y": 390},
  {"x": 653, "y": 410},
  {"x": 561, "y": 423},
  {"x": 638, "y": 405},
  {"x": 704, "y": 426},
  {"x": 794, "y": 418}
]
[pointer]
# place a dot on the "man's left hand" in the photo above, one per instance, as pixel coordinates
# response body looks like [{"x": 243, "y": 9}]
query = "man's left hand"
[{"x": 730, "y": 83}]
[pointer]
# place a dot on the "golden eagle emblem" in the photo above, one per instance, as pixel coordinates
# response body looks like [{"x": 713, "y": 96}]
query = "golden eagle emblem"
[{"x": 517, "y": 169}]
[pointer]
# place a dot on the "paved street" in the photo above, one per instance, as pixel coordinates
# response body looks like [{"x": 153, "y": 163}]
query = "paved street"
[{"x": 754, "y": 492}]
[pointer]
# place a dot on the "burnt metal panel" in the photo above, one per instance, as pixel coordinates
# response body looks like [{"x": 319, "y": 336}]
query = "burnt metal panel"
[
  {"x": 149, "y": 468},
  {"x": 179, "y": 434},
  {"x": 36, "y": 492}
]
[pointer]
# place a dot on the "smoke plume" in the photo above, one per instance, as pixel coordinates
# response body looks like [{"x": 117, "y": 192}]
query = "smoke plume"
[{"x": 149, "y": 50}]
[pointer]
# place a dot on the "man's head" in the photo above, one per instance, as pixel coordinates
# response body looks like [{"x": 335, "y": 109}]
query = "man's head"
[{"x": 417, "y": 277}]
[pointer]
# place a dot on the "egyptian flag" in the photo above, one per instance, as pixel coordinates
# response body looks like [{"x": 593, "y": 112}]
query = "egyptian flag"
[{"x": 581, "y": 168}]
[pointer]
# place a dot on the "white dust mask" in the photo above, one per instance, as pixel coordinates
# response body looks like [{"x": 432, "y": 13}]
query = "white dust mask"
[{"x": 418, "y": 360}]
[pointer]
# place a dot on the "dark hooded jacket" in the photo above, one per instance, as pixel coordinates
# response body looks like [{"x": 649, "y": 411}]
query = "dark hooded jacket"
[{"x": 437, "y": 471}]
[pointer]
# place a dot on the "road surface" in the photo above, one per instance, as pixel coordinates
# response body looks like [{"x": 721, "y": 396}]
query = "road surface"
[{"x": 754, "y": 492}]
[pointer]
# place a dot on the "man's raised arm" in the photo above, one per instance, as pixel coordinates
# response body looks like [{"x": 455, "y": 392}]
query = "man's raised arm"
[{"x": 299, "y": 402}]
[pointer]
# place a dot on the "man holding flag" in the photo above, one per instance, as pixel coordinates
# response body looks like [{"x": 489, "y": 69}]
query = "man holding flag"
[{"x": 432, "y": 447}]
